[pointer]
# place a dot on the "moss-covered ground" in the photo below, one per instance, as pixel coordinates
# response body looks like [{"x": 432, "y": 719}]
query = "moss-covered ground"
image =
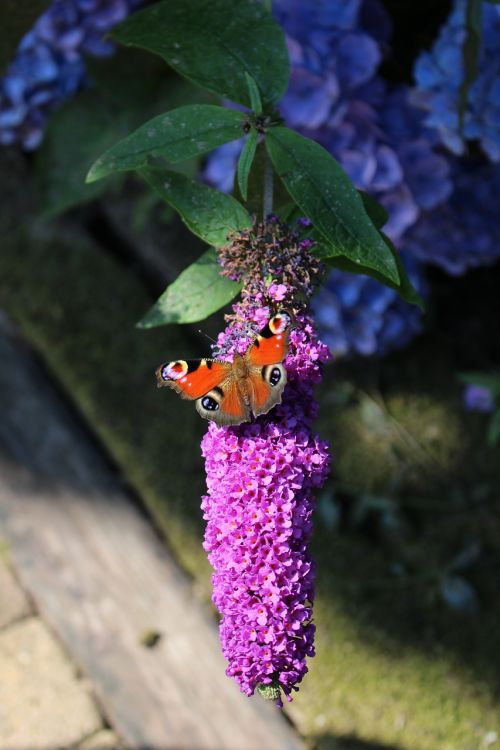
[{"x": 413, "y": 499}]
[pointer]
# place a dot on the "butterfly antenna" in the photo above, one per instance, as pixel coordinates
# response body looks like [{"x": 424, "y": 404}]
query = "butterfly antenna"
[{"x": 203, "y": 333}]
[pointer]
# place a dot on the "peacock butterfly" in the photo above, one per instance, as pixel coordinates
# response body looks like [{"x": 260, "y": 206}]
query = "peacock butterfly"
[{"x": 233, "y": 392}]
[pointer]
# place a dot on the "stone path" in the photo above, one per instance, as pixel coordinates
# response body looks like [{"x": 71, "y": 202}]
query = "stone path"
[{"x": 44, "y": 703}]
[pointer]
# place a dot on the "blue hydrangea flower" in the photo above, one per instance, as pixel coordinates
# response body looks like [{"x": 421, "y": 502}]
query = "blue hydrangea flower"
[
  {"x": 385, "y": 148},
  {"x": 357, "y": 315},
  {"x": 49, "y": 65},
  {"x": 336, "y": 97},
  {"x": 331, "y": 54},
  {"x": 478, "y": 398},
  {"x": 463, "y": 232},
  {"x": 439, "y": 74}
]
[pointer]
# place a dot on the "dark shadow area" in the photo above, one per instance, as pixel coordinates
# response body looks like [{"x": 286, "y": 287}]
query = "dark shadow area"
[
  {"x": 410, "y": 35},
  {"x": 331, "y": 742},
  {"x": 46, "y": 443},
  {"x": 413, "y": 552},
  {"x": 41, "y": 429}
]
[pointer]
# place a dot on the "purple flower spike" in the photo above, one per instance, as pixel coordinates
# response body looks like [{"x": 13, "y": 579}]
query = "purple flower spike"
[{"x": 261, "y": 479}]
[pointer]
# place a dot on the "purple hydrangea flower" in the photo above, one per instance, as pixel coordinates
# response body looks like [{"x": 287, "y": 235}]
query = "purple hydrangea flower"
[
  {"x": 378, "y": 137},
  {"x": 336, "y": 98},
  {"x": 357, "y": 315},
  {"x": 478, "y": 398},
  {"x": 463, "y": 232},
  {"x": 439, "y": 74},
  {"x": 386, "y": 150},
  {"x": 261, "y": 478},
  {"x": 49, "y": 64}
]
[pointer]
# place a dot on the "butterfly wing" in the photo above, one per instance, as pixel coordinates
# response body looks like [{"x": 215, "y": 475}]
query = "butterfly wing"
[
  {"x": 192, "y": 378},
  {"x": 224, "y": 396},
  {"x": 271, "y": 343},
  {"x": 211, "y": 383},
  {"x": 266, "y": 387},
  {"x": 267, "y": 376}
]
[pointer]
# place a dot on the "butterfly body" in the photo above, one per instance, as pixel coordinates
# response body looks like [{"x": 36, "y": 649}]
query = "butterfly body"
[{"x": 234, "y": 392}]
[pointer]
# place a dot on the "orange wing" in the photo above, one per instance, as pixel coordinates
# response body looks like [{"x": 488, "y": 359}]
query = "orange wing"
[
  {"x": 261, "y": 391},
  {"x": 192, "y": 378},
  {"x": 271, "y": 344},
  {"x": 214, "y": 384}
]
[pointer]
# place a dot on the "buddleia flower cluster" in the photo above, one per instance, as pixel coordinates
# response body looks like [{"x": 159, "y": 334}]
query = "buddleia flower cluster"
[
  {"x": 439, "y": 73},
  {"x": 261, "y": 476},
  {"x": 49, "y": 64}
]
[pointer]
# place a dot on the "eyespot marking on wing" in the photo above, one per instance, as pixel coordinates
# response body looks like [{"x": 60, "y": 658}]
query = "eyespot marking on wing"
[
  {"x": 279, "y": 322},
  {"x": 273, "y": 374},
  {"x": 271, "y": 343},
  {"x": 175, "y": 370}
]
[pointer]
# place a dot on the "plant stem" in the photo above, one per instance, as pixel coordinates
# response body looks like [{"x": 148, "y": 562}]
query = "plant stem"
[{"x": 268, "y": 188}]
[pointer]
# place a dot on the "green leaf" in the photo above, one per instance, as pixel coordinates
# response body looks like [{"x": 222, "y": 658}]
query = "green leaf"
[
  {"x": 327, "y": 196},
  {"x": 207, "y": 212},
  {"x": 289, "y": 213},
  {"x": 16, "y": 18},
  {"x": 214, "y": 43},
  {"x": 470, "y": 54},
  {"x": 197, "y": 292},
  {"x": 180, "y": 134},
  {"x": 245, "y": 162},
  {"x": 404, "y": 287},
  {"x": 374, "y": 209},
  {"x": 494, "y": 428},
  {"x": 253, "y": 92}
]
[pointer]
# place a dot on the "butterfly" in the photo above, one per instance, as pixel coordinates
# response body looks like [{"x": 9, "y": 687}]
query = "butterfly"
[{"x": 233, "y": 392}]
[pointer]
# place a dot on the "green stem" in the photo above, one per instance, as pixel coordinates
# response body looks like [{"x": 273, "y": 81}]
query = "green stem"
[{"x": 268, "y": 188}]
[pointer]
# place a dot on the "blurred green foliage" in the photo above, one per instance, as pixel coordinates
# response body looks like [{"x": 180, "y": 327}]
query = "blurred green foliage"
[{"x": 134, "y": 87}]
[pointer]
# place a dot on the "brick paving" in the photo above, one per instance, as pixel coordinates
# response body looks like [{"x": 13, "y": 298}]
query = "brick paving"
[{"x": 44, "y": 703}]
